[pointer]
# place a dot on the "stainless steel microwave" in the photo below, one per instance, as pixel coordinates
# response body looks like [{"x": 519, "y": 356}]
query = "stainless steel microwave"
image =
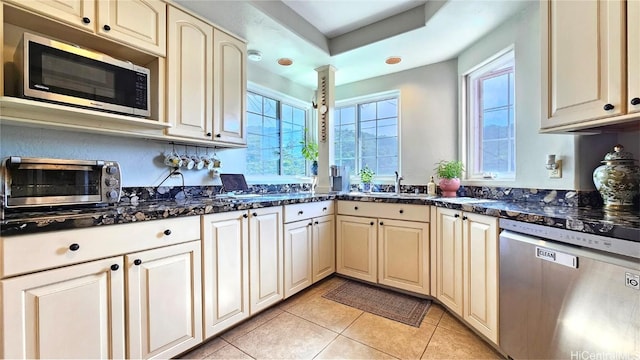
[
  {"x": 54, "y": 71},
  {"x": 32, "y": 182}
]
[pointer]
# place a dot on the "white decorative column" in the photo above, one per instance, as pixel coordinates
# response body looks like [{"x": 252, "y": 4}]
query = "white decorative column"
[{"x": 325, "y": 98}]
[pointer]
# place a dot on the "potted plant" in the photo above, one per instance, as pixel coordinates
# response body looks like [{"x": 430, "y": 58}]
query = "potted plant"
[
  {"x": 366, "y": 177},
  {"x": 310, "y": 152},
  {"x": 449, "y": 173}
]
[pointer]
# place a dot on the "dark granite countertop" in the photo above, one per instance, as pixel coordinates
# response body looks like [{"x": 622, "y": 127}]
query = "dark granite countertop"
[{"x": 622, "y": 225}]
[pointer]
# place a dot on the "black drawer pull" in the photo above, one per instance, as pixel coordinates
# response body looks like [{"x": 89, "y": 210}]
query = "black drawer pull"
[
  {"x": 608, "y": 107},
  {"x": 74, "y": 247},
  {"x": 245, "y": 216},
  {"x": 316, "y": 223},
  {"x": 635, "y": 101},
  {"x": 255, "y": 214},
  {"x": 209, "y": 134},
  {"x": 464, "y": 218},
  {"x": 310, "y": 224},
  {"x": 456, "y": 215},
  {"x": 115, "y": 267},
  {"x": 324, "y": 209},
  {"x": 401, "y": 211},
  {"x": 300, "y": 212},
  {"x": 371, "y": 223},
  {"x": 381, "y": 223},
  {"x": 86, "y": 20},
  {"x": 137, "y": 262},
  {"x": 167, "y": 232},
  {"x": 355, "y": 208},
  {"x": 106, "y": 28}
]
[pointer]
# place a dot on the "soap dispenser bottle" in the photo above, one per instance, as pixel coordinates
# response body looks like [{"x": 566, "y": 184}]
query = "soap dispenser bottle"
[{"x": 431, "y": 187}]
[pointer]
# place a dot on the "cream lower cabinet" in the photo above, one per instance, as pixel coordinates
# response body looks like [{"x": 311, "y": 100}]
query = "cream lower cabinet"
[
  {"x": 466, "y": 247},
  {"x": 309, "y": 249},
  {"x": 265, "y": 258},
  {"x": 164, "y": 306},
  {"x": 391, "y": 248},
  {"x": 72, "y": 312},
  {"x": 65, "y": 293}
]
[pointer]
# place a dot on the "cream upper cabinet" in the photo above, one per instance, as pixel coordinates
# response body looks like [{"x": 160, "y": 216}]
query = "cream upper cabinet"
[
  {"x": 71, "y": 312},
  {"x": 356, "y": 247},
  {"x": 449, "y": 258},
  {"x": 225, "y": 270},
  {"x": 633, "y": 55},
  {"x": 583, "y": 63},
  {"x": 189, "y": 76},
  {"x": 403, "y": 255},
  {"x": 265, "y": 257},
  {"x": 78, "y": 13},
  {"x": 480, "y": 273},
  {"x": 467, "y": 267},
  {"x": 309, "y": 249},
  {"x": 139, "y": 23},
  {"x": 229, "y": 89},
  {"x": 164, "y": 303}
]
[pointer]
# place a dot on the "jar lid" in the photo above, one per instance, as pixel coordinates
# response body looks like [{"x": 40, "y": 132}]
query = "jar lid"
[{"x": 618, "y": 153}]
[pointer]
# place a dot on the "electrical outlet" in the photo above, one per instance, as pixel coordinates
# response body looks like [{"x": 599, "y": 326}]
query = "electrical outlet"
[{"x": 557, "y": 172}]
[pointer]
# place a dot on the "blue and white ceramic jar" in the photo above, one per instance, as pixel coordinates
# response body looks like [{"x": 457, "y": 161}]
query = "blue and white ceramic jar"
[{"x": 618, "y": 179}]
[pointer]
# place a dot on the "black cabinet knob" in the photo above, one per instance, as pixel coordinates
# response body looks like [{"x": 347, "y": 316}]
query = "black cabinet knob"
[
  {"x": 106, "y": 28},
  {"x": 255, "y": 214},
  {"x": 371, "y": 223},
  {"x": 137, "y": 262},
  {"x": 74, "y": 247},
  {"x": 115, "y": 267},
  {"x": 608, "y": 107},
  {"x": 456, "y": 215},
  {"x": 355, "y": 208},
  {"x": 324, "y": 209},
  {"x": 218, "y": 135},
  {"x": 310, "y": 224},
  {"x": 381, "y": 223},
  {"x": 245, "y": 216},
  {"x": 401, "y": 211},
  {"x": 316, "y": 223},
  {"x": 167, "y": 232},
  {"x": 86, "y": 20},
  {"x": 635, "y": 101},
  {"x": 464, "y": 218},
  {"x": 209, "y": 134},
  {"x": 300, "y": 212}
]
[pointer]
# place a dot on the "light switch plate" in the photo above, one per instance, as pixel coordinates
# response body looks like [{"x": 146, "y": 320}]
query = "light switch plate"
[{"x": 557, "y": 172}]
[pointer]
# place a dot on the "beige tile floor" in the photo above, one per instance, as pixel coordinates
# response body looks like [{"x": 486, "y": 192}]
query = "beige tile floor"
[{"x": 308, "y": 326}]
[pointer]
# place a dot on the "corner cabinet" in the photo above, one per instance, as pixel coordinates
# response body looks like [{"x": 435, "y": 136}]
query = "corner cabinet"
[
  {"x": 589, "y": 51},
  {"x": 206, "y": 81},
  {"x": 384, "y": 243},
  {"x": 466, "y": 247}
]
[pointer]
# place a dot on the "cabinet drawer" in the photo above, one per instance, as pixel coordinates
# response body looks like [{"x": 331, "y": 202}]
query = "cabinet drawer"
[
  {"x": 382, "y": 210},
  {"x": 32, "y": 252},
  {"x": 303, "y": 211}
]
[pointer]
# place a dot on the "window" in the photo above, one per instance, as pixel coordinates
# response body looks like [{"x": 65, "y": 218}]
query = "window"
[
  {"x": 275, "y": 130},
  {"x": 490, "y": 119},
  {"x": 366, "y": 134}
]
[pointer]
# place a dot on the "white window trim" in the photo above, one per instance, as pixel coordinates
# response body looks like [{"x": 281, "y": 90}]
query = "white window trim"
[
  {"x": 465, "y": 111},
  {"x": 290, "y": 100},
  {"x": 377, "y": 179}
]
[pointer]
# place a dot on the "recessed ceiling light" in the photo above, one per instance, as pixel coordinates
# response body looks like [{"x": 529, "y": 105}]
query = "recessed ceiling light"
[
  {"x": 254, "y": 55},
  {"x": 392, "y": 60},
  {"x": 285, "y": 61}
]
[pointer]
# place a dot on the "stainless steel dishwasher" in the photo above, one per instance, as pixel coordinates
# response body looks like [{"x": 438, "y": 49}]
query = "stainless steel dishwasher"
[{"x": 568, "y": 295}]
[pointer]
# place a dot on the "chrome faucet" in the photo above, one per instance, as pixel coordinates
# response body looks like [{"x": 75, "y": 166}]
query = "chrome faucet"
[{"x": 398, "y": 180}]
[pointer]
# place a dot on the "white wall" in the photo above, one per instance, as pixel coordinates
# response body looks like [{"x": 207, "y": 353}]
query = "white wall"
[{"x": 428, "y": 114}]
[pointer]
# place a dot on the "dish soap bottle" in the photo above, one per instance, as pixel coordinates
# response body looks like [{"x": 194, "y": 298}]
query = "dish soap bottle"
[{"x": 431, "y": 187}]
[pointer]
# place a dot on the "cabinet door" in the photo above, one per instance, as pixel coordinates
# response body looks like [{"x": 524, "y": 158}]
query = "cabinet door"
[
  {"x": 480, "y": 273},
  {"x": 633, "y": 55},
  {"x": 449, "y": 258},
  {"x": 71, "y": 312},
  {"x": 324, "y": 247},
  {"x": 139, "y": 23},
  {"x": 356, "y": 247},
  {"x": 298, "y": 249},
  {"x": 265, "y": 257},
  {"x": 225, "y": 262},
  {"x": 403, "y": 255},
  {"x": 189, "y": 76},
  {"x": 164, "y": 303},
  {"x": 583, "y": 60},
  {"x": 229, "y": 88},
  {"x": 73, "y": 12}
]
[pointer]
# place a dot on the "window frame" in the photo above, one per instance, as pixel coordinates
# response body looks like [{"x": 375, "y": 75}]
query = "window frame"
[
  {"x": 491, "y": 67},
  {"x": 282, "y": 98},
  {"x": 356, "y": 101}
]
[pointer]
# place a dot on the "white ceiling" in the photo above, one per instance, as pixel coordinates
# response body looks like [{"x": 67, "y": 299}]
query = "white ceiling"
[{"x": 354, "y": 36}]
